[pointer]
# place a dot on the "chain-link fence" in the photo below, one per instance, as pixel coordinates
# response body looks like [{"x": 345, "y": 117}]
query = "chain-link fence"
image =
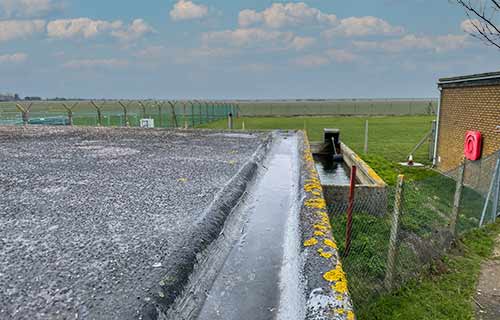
[
  {"x": 390, "y": 246},
  {"x": 166, "y": 114},
  {"x": 345, "y": 107}
]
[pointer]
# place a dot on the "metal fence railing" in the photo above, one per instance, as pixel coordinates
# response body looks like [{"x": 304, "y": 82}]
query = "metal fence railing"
[
  {"x": 166, "y": 114},
  {"x": 421, "y": 222},
  {"x": 346, "y": 107}
]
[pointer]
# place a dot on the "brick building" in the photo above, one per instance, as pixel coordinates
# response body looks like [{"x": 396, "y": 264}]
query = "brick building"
[{"x": 467, "y": 103}]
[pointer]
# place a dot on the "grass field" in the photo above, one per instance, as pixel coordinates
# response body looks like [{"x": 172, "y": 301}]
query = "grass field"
[
  {"x": 391, "y": 139},
  {"x": 428, "y": 201},
  {"x": 446, "y": 294}
]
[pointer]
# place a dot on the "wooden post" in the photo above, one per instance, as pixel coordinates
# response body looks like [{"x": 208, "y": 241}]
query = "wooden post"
[
  {"x": 366, "y": 137},
  {"x": 350, "y": 208},
  {"x": 456, "y": 200},
  {"x": 391, "y": 255},
  {"x": 99, "y": 114}
]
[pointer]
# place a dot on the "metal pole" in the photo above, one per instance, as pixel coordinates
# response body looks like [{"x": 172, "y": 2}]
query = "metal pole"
[
  {"x": 125, "y": 112},
  {"x": 496, "y": 197},
  {"x": 350, "y": 208},
  {"x": 456, "y": 200},
  {"x": 99, "y": 114},
  {"x": 230, "y": 121},
  {"x": 192, "y": 114},
  {"x": 433, "y": 137},
  {"x": 493, "y": 179},
  {"x": 184, "y": 116},
  {"x": 391, "y": 255},
  {"x": 366, "y": 137}
]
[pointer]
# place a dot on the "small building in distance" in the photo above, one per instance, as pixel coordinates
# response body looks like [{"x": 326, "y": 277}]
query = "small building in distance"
[
  {"x": 468, "y": 103},
  {"x": 9, "y": 97}
]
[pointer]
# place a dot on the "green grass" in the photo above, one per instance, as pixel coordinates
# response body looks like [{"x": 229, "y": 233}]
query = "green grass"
[
  {"x": 391, "y": 139},
  {"x": 445, "y": 295}
]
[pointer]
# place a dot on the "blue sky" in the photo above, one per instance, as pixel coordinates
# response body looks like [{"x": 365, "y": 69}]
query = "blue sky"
[{"x": 224, "y": 49}]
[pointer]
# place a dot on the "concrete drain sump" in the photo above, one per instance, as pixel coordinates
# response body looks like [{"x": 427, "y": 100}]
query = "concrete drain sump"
[{"x": 158, "y": 224}]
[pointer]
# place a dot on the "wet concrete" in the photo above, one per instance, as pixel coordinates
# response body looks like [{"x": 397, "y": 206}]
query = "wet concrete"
[
  {"x": 252, "y": 280},
  {"x": 331, "y": 172}
]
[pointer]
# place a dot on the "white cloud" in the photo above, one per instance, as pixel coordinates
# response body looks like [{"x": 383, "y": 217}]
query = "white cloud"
[
  {"x": 135, "y": 31},
  {"x": 20, "y": 29},
  {"x": 340, "y": 55},
  {"x": 363, "y": 26},
  {"x": 470, "y": 25},
  {"x": 301, "y": 43},
  {"x": 311, "y": 61},
  {"x": 28, "y": 8},
  {"x": 254, "y": 37},
  {"x": 87, "y": 28},
  {"x": 187, "y": 10},
  {"x": 285, "y": 14},
  {"x": 331, "y": 55},
  {"x": 96, "y": 63},
  {"x": 80, "y": 27},
  {"x": 413, "y": 42},
  {"x": 13, "y": 58}
]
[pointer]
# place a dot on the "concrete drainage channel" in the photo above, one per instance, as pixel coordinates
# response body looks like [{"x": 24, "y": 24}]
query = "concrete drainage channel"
[
  {"x": 164, "y": 224},
  {"x": 275, "y": 257}
]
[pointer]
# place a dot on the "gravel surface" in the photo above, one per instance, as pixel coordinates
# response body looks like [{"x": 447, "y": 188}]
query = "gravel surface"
[{"x": 90, "y": 217}]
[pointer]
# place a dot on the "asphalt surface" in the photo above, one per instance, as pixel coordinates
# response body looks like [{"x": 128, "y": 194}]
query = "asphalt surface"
[{"x": 89, "y": 218}]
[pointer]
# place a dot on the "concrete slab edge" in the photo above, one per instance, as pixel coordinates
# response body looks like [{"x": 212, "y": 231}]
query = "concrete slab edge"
[
  {"x": 327, "y": 294},
  {"x": 206, "y": 231}
]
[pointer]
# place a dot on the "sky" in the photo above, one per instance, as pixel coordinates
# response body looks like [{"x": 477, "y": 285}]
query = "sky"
[{"x": 221, "y": 49}]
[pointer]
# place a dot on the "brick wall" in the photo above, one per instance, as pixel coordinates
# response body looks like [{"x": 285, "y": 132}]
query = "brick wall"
[{"x": 467, "y": 108}]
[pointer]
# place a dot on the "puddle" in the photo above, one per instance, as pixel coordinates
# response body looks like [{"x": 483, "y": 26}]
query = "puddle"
[
  {"x": 235, "y": 135},
  {"x": 330, "y": 172}
]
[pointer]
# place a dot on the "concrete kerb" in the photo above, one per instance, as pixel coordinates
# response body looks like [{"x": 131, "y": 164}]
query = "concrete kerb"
[
  {"x": 327, "y": 294},
  {"x": 206, "y": 231}
]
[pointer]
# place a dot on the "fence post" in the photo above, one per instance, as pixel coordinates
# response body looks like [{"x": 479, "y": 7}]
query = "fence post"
[
  {"x": 230, "y": 121},
  {"x": 456, "y": 200},
  {"x": 496, "y": 197},
  {"x": 206, "y": 111},
  {"x": 174, "y": 116},
  {"x": 125, "y": 113},
  {"x": 70, "y": 112},
  {"x": 184, "y": 115},
  {"x": 159, "y": 104},
  {"x": 494, "y": 177},
  {"x": 350, "y": 208},
  {"x": 25, "y": 112},
  {"x": 433, "y": 139},
  {"x": 192, "y": 114},
  {"x": 391, "y": 255},
  {"x": 99, "y": 114},
  {"x": 366, "y": 137}
]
